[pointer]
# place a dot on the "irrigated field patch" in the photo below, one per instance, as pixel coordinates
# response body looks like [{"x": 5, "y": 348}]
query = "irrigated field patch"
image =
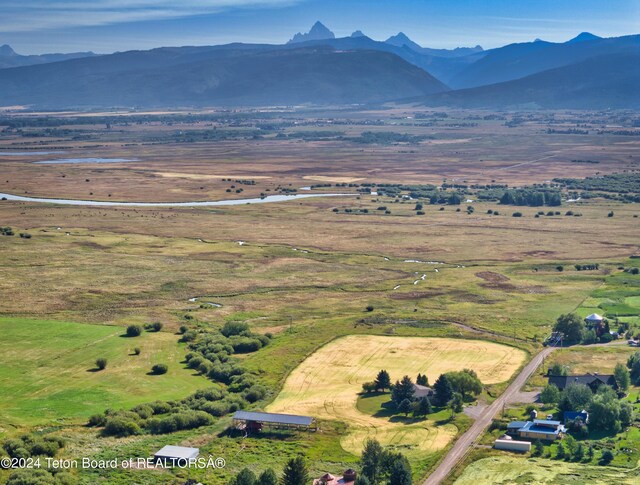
[
  {"x": 326, "y": 384},
  {"x": 47, "y": 370}
]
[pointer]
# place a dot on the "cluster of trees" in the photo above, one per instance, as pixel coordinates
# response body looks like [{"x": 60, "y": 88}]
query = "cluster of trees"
[
  {"x": 587, "y": 267},
  {"x": 531, "y": 198},
  {"x": 619, "y": 183},
  {"x": 380, "y": 466},
  {"x": 211, "y": 353},
  {"x": 450, "y": 390},
  {"x": 32, "y": 445},
  {"x": 606, "y": 412},
  {"x": 161, "y": 417},
  {"x": 575, "y": 331},
  {"x": 633, "y": 363},
  {"x": 6, "y": 231},
  {"x": 571, "y": 450},
  {"x": 386, "y": 138}
]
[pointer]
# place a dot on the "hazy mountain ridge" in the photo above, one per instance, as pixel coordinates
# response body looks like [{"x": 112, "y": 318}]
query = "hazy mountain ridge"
[
  {"x": 516, "y": 61},
  {"x": 9, "y": 57},
  {"x": 318, "y": 75},
  {"x": 602, "y": 82}
]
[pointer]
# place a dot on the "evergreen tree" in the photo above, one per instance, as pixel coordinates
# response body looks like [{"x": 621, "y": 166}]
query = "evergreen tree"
[
  {"x": 402, "y": 390},
  {"x": 443, "y": 390},
  {"x": 371, "y": 461},
  {"x": 560, "y": 451},
  {"x": 590, "y": 453},
  {"x": 422, "y": 380},
  {"x": 268, "y": 477},
  {"x": 405, "y": 407},
  {"x": 245, "y": 477},
  {"x": 362, "y": 480},
  {"x": 295, "y": 472},
  {"x": 538, "y": 448},
  {"x": 383, "y": 380},
  {"x": 400, "y": 472},
  {"x": 424, "y": 407},
  {"x": 579, "y": 453}
]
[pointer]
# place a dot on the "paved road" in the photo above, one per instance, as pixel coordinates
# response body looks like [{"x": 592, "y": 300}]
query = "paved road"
[{"x": 461, "y": 446}]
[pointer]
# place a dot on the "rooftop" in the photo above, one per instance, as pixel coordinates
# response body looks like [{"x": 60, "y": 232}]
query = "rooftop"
[
  {"x": 177, "y": 452},
  {"x": 275, "y": 418}
]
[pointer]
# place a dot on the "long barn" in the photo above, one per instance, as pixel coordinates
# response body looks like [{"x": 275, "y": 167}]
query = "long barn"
[{"x": 255, "y": 421}]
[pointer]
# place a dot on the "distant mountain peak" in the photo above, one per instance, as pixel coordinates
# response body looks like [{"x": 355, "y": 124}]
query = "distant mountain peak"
[
  {"x": 358, "y": 33},
  {"x": 583, "y": 36},
  {"x": 6, "y": 51},
  {"x": 317, "y": 32},
  {"x": 401, "y": 39}
]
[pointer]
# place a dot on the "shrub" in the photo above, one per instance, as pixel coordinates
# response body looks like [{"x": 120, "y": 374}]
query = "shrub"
[
  {"x": 183, "y": 329},
  {"x": 369, "y": 308},
  {"x": 560, "y": 268},
  {"x": 134, "y": 330},
  {"x": 517, "y": 214},
  {"x": 101, "y": 363},
  {"x": 154, "y": 327},
  {"x": 136, "y": 351},
  {"x": 97, "y": 420},
  {"x": 120, "y": 426},
  {"x": 243, "y": 345},
  {"x": 160, "y": 369},
  {"x": 606, "y": 458},
  {"x": 234, "y": 328},
  {"x": 255, "y": 393}
]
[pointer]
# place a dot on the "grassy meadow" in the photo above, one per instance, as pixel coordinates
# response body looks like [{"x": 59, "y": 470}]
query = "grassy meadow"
[
  {"x": 344, "y": 287},
  {"x": 48, "y": 372}
]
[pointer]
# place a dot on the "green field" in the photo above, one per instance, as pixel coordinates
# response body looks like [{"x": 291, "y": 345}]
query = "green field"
[
  {"x": 505, "y": 469},
  {"x": 47, "y": 370}
]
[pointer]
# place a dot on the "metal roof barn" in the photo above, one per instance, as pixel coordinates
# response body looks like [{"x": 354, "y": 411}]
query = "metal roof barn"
[{"x": 250, "y": 419}]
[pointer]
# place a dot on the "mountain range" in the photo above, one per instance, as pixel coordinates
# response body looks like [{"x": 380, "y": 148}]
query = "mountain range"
[
  {"x": 317, "y": 68},
  {"x": 9, "y": 58}
]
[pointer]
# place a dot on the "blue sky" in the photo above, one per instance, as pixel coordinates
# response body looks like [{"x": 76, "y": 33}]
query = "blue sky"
[{"x": 38, "y": 26}]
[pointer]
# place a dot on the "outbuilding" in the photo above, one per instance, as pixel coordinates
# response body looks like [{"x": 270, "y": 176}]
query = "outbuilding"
[{"x": 176, "y": 455}]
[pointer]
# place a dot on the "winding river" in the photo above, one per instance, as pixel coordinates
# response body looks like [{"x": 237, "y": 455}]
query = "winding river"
[{"x": 206, "y": 203}]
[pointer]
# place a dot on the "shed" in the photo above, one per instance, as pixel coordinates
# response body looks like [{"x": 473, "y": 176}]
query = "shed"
[
  {"x": 175, "y": 455},
  {"x": 512, "y": 445}
]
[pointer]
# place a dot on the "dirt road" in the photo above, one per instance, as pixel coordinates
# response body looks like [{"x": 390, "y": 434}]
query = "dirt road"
[{"x": 461, "y": 446}]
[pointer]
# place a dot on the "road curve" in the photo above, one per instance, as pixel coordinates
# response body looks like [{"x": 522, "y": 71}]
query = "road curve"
[{"x": 462, "y": 445}]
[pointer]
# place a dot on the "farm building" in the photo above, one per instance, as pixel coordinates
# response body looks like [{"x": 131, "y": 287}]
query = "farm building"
[
  {"x": 594, "y": 319},
  {"x": 255, "y": 421},
  {"x": 422, "y": 391},
  {"x": 176, "y": 455},
  {"x": 512, "y": 445},
  {"x": 594, "y": 380},
  {"x": 538, "y": 429},
  {"x": 349, "y": 476}
]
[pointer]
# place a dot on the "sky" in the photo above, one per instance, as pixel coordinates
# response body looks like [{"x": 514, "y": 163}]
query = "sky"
[{"x": 104, "y": 26}]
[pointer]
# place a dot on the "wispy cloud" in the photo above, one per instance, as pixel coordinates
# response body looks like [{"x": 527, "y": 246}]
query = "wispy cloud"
[{"x": 36, "y": 15}]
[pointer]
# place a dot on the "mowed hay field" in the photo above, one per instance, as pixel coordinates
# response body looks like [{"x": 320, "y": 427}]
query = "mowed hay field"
[
  {"x": 326, "y": 384},
  {"x": 511, "y": 470},
  {"x": 47, "y": 371}
]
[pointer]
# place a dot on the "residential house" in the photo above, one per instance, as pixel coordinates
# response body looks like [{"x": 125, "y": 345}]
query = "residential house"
[
  {"x": 594, "y": 380},
  {"x": 538, "y": 429}
]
